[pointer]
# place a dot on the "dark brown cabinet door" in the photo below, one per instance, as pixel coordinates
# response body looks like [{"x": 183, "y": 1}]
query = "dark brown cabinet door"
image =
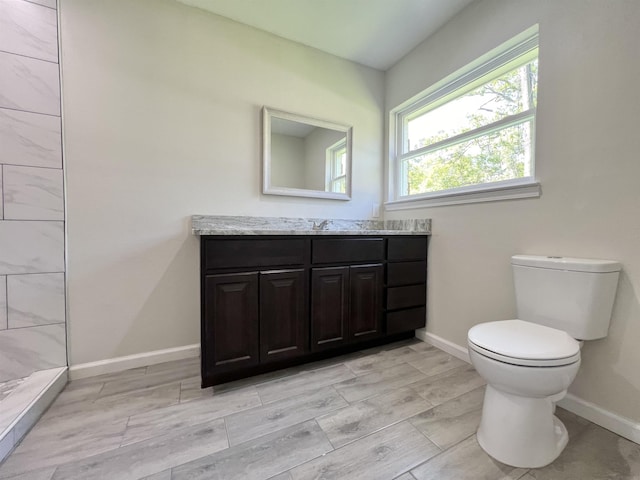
[
  {"x": 230, "y": 328},
  {"x": 365, "y": 285},
  {"x": 283, "y": 317},
  {"x": 329, "y": 307}
]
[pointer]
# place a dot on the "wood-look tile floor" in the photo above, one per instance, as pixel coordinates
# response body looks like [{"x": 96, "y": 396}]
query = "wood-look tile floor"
[{"x": 405, "y": 411}]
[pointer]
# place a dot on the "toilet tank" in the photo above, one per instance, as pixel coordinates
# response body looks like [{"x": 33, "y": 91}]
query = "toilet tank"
[{"x": 571, "y": 294}]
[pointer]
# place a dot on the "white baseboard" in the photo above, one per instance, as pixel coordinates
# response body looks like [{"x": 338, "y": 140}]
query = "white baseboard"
[
  {"x": 445, "y": 345},
  {"x": 625, "y": 427},
  {"x": 118, "y": 364}
]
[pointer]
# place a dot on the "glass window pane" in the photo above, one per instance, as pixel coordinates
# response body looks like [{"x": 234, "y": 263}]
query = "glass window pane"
[
  {"x": 511, "y": 93},
  {"x": 341, "y": 157},
  {"x": 501, "y": 155},
  {"x": 339, "y": 185}
]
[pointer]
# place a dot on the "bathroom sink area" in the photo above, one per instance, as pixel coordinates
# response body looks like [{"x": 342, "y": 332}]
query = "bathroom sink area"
[{"x": 309, "y": 288}]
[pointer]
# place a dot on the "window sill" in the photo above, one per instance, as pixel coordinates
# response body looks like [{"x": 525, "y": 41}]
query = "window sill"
[{"x": 473, "y": 195}]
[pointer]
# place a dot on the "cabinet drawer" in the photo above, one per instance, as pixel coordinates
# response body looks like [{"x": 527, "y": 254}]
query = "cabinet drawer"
[
  {"x": 414, "y": 248},
  {"x": 254, "y": 253},
  {"x": 406, "y": 273},
  {"x": 341, "y": 250},
  {"x": 405, "y": 320},
  {"x": 405, "y": 297}
]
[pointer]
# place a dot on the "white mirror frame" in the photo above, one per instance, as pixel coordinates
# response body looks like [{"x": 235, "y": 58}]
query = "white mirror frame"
[{"x": 267, "y": 188}]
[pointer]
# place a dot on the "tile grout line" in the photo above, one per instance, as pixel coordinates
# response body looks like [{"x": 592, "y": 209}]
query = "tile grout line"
[
  {"x": 525, "y": 473},
  {"x": 226, "y": 433},
  {"x": 28, "y": 326},
  {"x": 407, "y": 419},
  {"x": 179, "y": 394},
  {"x": 6, "y": 107},
  {"x": 30, "y": 273},
  {"x": 57, "y": 62},
  {"x": 314, "y": 458},
  {"x": 441, "y": 448},
  {"x": 99, "y": 392},
  {"x": 43, "y": 6},
  {"x": 368, "y": 435},
  {"x": 124, "y": 432},
  {"x": 384, "y": 391},
  {"x": 6, "y": 294},
  {"x": 21, "y": 165},
  {"x": 412, "y": 387}
]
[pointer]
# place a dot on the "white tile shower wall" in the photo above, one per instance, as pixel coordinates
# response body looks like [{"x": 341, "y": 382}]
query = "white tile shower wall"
[
  {"x": 30, "y": 139},
  {"x": 29, "y": 30},
  {"x": 35, "y": 299},
  {"x": 26, "y": 350},
  {"x": 32, "y": 193},
  {"x": 31, "y": 247},
  {"x": 29, "y": 84},
  {"x": 32, "y": 301}
]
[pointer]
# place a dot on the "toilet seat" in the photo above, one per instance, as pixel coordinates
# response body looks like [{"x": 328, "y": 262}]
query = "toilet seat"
[{"x": 524, "y": 343}]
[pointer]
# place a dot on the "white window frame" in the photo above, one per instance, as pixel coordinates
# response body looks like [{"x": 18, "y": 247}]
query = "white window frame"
[
  {"x": 332, "y": 162},
  {"x": 517, "y": 51}
]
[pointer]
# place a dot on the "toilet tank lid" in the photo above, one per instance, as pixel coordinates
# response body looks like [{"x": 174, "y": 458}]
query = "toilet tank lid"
[{"x": 567, "y": 263}]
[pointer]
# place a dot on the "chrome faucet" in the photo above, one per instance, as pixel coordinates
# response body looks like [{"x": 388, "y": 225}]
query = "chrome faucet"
[{"x": 320, "y": 226}]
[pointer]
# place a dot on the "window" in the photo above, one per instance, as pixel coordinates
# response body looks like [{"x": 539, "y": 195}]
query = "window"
[
  {"x": 472, "y": 132},
  {"x": 336, "y": 178}
]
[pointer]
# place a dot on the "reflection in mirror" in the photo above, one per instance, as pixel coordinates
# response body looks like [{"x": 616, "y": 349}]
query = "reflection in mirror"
[{"x": 306, "y": 157}]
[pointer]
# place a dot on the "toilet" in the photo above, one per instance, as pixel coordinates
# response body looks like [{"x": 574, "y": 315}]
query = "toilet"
[{"x": 528, "y": 363}]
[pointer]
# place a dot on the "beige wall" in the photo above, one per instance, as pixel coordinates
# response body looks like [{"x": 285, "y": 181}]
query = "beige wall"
[
  {"x": 162, "y": 106},
  {"x": 587, "y": 148}
]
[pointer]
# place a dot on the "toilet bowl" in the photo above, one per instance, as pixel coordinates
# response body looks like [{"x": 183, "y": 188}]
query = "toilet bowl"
[
  {"x": 529, "y": 362},
  {"x": 518, "y": 426}
]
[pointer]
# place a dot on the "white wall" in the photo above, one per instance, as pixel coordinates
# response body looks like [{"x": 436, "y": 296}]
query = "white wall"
[
  {"x": 32, "y": 301},
  {"x": 162, "y": 110},
  {"x": 587, "y": 148}
]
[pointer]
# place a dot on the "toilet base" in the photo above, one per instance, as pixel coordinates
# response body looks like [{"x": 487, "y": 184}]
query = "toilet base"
[{"x": 520, "y": 431}]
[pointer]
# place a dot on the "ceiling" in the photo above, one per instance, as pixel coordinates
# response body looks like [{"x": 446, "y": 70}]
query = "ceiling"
[{"x": 376, "y": 33}]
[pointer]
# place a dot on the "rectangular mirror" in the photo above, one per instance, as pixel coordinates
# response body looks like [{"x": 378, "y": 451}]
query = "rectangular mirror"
[{"x": 305, "y": 157}]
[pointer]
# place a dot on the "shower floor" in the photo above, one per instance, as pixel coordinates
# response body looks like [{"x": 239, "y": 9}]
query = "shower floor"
[
  {"x": 23, "y": 400},
  {"x": 9, "y": 386}
]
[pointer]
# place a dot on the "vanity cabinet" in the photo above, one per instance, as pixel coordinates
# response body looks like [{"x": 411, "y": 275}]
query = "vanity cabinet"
[
  {"x": 406, "y": 292},
  {"x": 253, "y": 318},
  {"x": 346, "y": 299},
  {"x": 269, "y": 302},
  {"x": 346, "y": 305},
  {"x": 254, "y": 308}
]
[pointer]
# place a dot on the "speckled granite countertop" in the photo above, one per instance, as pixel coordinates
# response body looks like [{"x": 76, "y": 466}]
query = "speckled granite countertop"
[{"x": 229, "y": 225}]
